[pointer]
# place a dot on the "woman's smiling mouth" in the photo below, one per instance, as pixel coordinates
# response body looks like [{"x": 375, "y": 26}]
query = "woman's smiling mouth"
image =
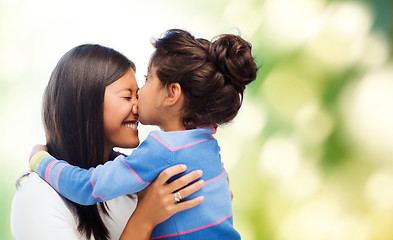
[{"x": 132, "y": 125}]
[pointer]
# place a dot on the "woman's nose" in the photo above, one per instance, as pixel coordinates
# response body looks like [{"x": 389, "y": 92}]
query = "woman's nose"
[{"x": 134, "y": 108}]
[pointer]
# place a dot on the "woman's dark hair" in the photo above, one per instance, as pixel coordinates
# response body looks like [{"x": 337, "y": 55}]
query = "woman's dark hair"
[
  {"x": 73, "y": 117},
  {"x": 212, "y": 75}
]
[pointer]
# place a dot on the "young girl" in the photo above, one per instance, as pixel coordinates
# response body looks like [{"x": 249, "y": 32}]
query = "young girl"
[{"x": 193, "y": 85}]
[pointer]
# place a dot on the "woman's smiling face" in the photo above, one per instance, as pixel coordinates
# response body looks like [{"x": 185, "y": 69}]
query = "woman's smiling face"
[{"x": 120, "y": 112}]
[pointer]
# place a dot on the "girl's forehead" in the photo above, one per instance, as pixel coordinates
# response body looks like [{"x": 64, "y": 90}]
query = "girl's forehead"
[{"x": 151, "y": 69}]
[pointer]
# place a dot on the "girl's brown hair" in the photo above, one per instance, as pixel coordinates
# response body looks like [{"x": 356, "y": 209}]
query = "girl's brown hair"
[{"x": 212, "y": 75}]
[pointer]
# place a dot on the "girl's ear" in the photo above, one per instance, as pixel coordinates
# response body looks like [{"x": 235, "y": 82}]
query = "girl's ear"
[{"x": 174, "y": 94}]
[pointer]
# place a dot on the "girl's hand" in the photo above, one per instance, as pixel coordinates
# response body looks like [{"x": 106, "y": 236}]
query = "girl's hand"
[
  {"x": 36, "y": 149},
  {"x": 157, "y": 202}
]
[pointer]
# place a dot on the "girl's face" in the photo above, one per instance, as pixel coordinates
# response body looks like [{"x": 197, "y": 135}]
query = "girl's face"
[
  {"x": 120, "y": 112},
  {"x": 151, "y": 95}
]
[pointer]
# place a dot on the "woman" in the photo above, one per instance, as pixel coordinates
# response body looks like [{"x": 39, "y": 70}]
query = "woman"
[{"x": 89, "y": 108}]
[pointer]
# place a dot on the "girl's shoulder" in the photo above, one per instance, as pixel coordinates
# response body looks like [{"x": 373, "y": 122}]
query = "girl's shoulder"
[{"x": 175, "y": 140}]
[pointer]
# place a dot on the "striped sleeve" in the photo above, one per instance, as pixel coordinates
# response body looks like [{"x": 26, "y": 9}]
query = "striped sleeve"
[
  {"x": 37, "y": 158},
  {"x": 115, "y": 178}
]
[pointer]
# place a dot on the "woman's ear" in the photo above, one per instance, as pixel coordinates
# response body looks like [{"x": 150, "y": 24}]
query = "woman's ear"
[{"x": 174, "y": 95}]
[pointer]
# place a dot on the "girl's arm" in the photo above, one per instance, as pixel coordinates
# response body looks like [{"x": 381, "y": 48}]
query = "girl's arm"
[
  {"x": 156, "y": 203},
  {"x": 77, "y": 184},
  {"x": 115, "y": 178}
]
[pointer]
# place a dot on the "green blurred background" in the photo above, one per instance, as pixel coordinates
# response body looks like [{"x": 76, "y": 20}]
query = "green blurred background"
[{"x": 310, "y": 154}]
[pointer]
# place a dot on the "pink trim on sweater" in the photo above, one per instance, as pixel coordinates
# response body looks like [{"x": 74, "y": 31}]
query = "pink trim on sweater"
[
  {"x": 193, "y": 230},
  {"x": 215, "y": 178},
  {"x": 178, "y": 148},
  {"x": 57, "y": 179},
  {"x": 48, "y": 169},
  {"x": 214, "y": 129},
  {"x": 92, "y": 184},
  {"x": 133, "y": 172}
]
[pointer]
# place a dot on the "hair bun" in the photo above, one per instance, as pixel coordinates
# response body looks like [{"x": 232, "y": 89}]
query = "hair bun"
[{"x": 232, "y": 56}]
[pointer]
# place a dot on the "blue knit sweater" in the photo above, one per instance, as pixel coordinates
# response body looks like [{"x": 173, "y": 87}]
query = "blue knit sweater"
[{"x": 212, "y": 219}]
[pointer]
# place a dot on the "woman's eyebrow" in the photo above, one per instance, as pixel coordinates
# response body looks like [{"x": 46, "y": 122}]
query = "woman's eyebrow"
[{"x": 130, "y": 90}]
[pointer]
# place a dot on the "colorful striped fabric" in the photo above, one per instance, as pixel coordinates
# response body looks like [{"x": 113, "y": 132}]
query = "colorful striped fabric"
[{"x": 196, "y": 148}]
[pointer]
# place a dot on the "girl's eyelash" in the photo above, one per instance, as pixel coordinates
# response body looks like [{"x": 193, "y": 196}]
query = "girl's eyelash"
[{"x": 145, "y": 77}]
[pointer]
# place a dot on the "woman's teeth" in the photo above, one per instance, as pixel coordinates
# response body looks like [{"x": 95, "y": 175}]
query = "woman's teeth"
[{"x": 131, "y": 125}]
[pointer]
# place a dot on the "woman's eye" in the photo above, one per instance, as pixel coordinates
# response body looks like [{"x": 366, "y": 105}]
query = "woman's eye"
[
  {"x": 145, "y": 78},
  {"x": 128, "y": 98}
]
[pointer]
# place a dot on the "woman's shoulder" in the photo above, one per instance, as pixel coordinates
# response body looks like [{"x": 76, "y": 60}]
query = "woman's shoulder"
[
  {"x": 120, "y": 210},
  {"x": 33, "y": 188},
  {"x": 38, "y": 210}
]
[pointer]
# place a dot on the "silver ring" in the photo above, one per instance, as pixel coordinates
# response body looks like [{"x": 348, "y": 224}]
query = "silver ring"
[{"x": 177, "y": 196}]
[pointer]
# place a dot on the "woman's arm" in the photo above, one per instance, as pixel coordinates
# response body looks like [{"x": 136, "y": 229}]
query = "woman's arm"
[{"x": 156, "y": 203}]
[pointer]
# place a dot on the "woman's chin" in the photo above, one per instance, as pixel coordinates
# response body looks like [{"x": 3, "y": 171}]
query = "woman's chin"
[{"x": 133, "y": 144}]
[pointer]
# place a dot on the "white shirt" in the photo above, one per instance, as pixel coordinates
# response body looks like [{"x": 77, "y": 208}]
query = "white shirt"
[{"x": 38, "y": 212}]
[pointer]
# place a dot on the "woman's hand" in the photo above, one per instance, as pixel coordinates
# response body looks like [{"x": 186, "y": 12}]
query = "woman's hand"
[
  {"x": 159, "y": 196},
  {"x": 157, "y": 202},
  {"x": 228, "y": 183},
  {"x": 230, "y": 189}
]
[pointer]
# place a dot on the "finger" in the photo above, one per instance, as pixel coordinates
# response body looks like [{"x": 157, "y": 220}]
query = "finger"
[
  {"x": 185, "y": 180},
  {"x": 166, "y": 174},
  {"x": 188, "y": 204},
  {"x": 187, "y": 191}
]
